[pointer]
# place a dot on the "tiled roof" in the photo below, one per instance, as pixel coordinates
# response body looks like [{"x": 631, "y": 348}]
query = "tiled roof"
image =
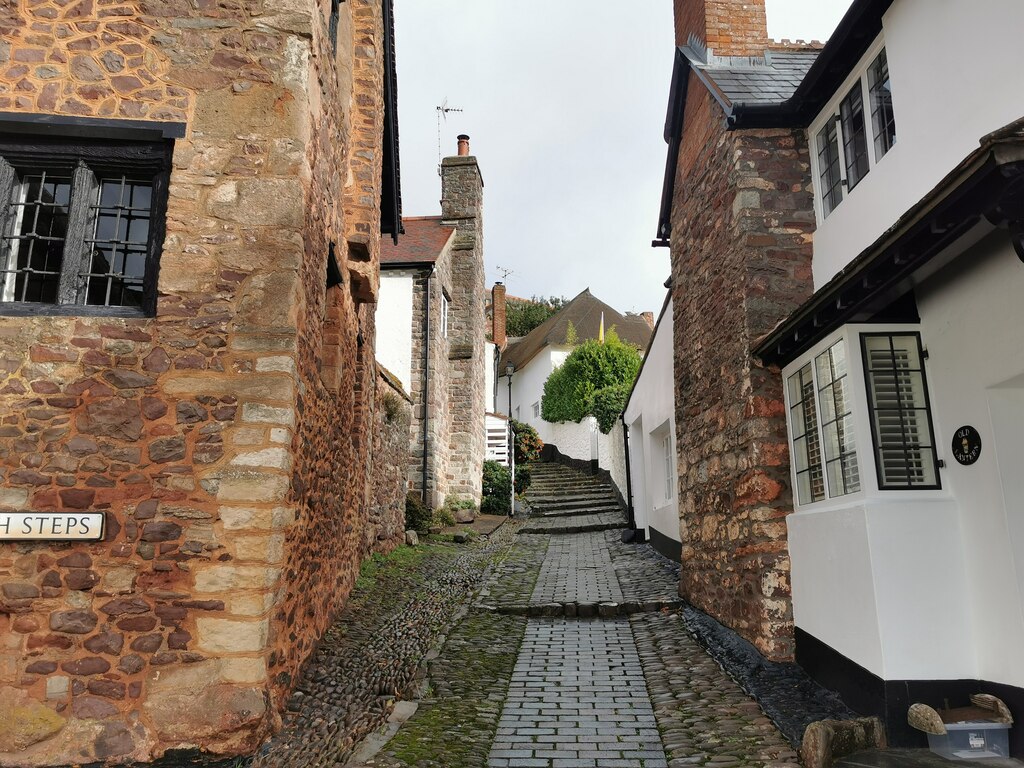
[
  {"x": 584, "y": 312},
  {"x": 763, "y": 83},
  {"x": 424, "y": 240}
]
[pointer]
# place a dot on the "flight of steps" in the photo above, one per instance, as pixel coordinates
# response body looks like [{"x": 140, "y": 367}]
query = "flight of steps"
[{"x": 565, "y": 500}]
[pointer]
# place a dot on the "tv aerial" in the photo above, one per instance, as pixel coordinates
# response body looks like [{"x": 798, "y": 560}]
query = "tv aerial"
[
  {"x": 442, "y": 113},
  {"x": 504, "y": 273}
]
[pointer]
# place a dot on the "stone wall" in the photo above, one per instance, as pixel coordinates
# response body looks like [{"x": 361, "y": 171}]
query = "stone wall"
[
  {"x": 462, "y": 205},
  {"x": 433, "y": 403},
  {"x": 741, "y": 233},
  {"x": 228, "y": 439}
]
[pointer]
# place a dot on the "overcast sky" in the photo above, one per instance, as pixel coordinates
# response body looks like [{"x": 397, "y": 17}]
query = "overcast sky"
[{"x": 564, "y": 102}]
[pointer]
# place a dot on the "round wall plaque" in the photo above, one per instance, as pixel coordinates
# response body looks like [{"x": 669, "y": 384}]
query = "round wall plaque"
[{"x": 966, "y": 445}]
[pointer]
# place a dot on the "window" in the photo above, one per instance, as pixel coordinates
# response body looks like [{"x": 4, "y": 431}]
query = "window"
[
  {"x": 666, "y": 446},
  {"x": 905, "y": 455},
  {"x": 444, "y": 315},
  {"x": 829, "y": 178},
  {"x": 821, "y": 425},
  {"x": 855, "y": 136},
  {"x": 841, "y": 141},
  {"x": 880, "y": 94},
  {"x": 536, "y": 410},
  {"x": 81, "y": 226},
  {"x": 829, "y": 411},
  {"x": 332, "y": 25}
]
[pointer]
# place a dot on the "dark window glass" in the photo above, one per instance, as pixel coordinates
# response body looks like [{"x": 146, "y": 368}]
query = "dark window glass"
[
  {"x": 76, "y": 228},
  {"x": 332, "y": 24},
  {"x": 901, "y": 422},
  {"x": 803, "y": 425},
  {"x": 855, "y": 137},
  {"x": 33, "y": 241},
  {"x": 829, "y": 178},
  {"x": 880, "y": 94}
]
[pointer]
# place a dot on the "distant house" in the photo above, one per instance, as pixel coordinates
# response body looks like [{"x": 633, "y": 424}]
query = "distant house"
[
  {"x": 532, "y": 358},
  {"x": 431, "y": 334},
  {"x": 650, "y": 417},
  {"x": 850, "y": 422}
]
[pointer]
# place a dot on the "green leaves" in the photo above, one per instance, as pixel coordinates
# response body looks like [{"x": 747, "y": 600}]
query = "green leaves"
[{"x": 593, "y": 381}]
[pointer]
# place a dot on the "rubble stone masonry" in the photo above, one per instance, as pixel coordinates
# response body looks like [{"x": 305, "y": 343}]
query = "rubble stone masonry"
[
  {"x": 741, "y": 259},
  {"x": 240, "y": 443},
  {"x": 462, "y": 205}
]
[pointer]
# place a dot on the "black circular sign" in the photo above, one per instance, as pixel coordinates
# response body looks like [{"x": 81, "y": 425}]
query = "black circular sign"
[{"x": 966, "y": 445}]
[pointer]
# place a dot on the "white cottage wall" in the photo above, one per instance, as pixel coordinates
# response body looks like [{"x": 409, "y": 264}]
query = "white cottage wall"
[
  {"x": 393, "y": 346},
  {"x": 943, "y": 105}
]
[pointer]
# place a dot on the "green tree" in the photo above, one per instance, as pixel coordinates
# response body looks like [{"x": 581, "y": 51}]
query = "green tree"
[
  {"x": 523, "y": 315},
  {"x": 594, "y": 380}
]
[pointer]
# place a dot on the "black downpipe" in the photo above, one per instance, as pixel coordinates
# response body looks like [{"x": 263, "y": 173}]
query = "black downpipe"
[
  {"x": 426, "y": 381},
  {"x": 629, "y": 474}
]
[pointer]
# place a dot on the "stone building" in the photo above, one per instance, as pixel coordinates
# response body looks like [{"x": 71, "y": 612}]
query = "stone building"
[
  {"x": 194, "y": 196},
  {"x": 737, "y": 212},
  {"x": 850, "y": 420},
  {"x": 432, "y": 334}
]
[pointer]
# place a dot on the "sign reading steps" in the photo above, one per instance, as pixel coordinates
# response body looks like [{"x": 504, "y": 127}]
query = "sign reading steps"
[{"x": 51, "y": 526}]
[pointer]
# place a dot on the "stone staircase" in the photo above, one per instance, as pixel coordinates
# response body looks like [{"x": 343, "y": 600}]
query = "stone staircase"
[{"x": 565, "y": 500}]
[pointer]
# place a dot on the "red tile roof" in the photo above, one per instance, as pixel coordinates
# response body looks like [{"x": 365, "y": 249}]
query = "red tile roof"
[{"x": 424, "y": 240}]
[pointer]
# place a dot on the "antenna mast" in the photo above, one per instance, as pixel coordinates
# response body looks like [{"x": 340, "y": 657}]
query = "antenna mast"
[{"x": 442, "y": 112}]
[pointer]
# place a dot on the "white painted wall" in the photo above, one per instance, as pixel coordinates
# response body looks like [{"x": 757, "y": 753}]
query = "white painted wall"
[
  {"x": 611, "y": 455},
  {"x": 393, "y": 347},
  {"x": 972, "y": 322},
  {"x": 490, "y": 355},
  {"x": 650, "y": 412},
  {"x": 930, "y": 584},
  {"x": 955, "y": 67},
  {"x": 528, "y": 388}
]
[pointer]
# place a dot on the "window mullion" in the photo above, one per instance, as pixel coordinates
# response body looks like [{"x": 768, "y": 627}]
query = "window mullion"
[
  {"x": 820, "y": 424},
  {"x": 84, "y": 187}
]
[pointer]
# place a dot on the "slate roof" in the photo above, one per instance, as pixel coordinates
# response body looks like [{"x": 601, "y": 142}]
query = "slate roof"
[
  {"x": 772, "y": 82},
  {"x": 584, "y": 312},
  {"x": 424, "y": 240}
]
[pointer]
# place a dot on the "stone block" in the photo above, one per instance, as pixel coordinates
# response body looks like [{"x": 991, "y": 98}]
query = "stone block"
[
  {"x": 265, "y": 548},
  {"x": 241, "y": 518},
  {"x": 265, "y": 387},
  {"x": 13, "y": 498},
  {"x": 272, "y": 458},
  {"x": 218, "y": 577},
  {"x": 252, "y": 487},
  {"x": 251, "y": 604},
  {"x": 243, "y": 670},
  {"x": 268, "y": 414},
  {"x": 218, "y": 636},
  {"x": 24, "y": 722}
]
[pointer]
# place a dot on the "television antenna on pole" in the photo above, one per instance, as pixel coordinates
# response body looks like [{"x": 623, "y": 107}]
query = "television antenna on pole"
[
  {"x": 504, "y": 273},
  {"x": 442, "y": 112}
]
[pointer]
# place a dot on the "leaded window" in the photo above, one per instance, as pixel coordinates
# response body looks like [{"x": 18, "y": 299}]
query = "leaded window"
[
  {"x": 855, "y": 136},
  {"x": 81, "y": 226},
  {"x": 829, "y": 176},
  {"x": 803, "y": 426},
  {"x": 883, "y": 121}
]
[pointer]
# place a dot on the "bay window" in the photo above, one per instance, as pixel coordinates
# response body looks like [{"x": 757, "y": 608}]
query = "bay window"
[{"x": 831, "y": 413}]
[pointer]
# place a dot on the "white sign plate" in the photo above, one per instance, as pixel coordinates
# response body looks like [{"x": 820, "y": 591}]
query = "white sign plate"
[{"x": 51, "y": 526}]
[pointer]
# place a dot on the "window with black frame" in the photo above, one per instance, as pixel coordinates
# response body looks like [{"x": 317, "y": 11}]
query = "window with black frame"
[
  {"x": 883, "y": 121},
  {"x": 855, "y": 136},
  {"x": 901, "y": 422},
  {"x": 81, "y": 226}
]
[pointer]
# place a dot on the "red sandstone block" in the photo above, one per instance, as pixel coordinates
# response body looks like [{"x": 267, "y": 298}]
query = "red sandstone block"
[{"x": 42, "y": 354}]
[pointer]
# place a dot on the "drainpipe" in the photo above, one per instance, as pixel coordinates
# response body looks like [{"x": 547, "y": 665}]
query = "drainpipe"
[
  {"x": 629, "y": 473},
  {"x": 426, "y": 382}
]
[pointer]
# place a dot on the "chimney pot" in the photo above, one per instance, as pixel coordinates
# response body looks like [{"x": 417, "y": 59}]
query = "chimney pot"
[{"x": 463, "y": 145}]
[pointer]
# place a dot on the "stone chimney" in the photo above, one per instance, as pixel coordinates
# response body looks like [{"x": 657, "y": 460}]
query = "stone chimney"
[
  {"x": 498, "y": 335},
  {"x": 725, "y": 27}
]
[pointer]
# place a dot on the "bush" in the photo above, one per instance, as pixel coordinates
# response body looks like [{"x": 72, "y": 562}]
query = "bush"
[
  {"x": 497, "y": 489},
  {"x": 523, "y": 478},
  {"x": 522, "y": 316},
  {"x": 571, "y": 389},
  {"x": 528, "y": 444},
  {"x": 609, "y": 403},
  {"x": 417, "y": 514}
]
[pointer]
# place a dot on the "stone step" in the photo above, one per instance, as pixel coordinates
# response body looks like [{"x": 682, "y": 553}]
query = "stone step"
[
  {"x": 567, "y": 489},
  {"x": 571, "y": 499},
  {"x": 607, "y": 610},
  {"x": 578, "y": 512},
  {"x": 574, "y": 524},
  {"x": 581, "y": 504}
]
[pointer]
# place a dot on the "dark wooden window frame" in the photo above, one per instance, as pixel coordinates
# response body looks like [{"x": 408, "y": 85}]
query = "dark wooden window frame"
[{"x": 83, "y": 158}]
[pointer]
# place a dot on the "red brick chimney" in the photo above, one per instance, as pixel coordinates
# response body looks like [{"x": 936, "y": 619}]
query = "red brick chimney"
[
  {"x": 498, "y": 335},
  {"x": 726, "y": 27},
  {"x": 648, "y": 318}
]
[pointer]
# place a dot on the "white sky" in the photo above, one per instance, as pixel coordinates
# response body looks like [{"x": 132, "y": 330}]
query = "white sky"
[{"x": 564, "y": 101}]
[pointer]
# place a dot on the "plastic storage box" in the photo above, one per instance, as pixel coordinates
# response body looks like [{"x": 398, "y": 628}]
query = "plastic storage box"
[{"x": 972, "y": 739}]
